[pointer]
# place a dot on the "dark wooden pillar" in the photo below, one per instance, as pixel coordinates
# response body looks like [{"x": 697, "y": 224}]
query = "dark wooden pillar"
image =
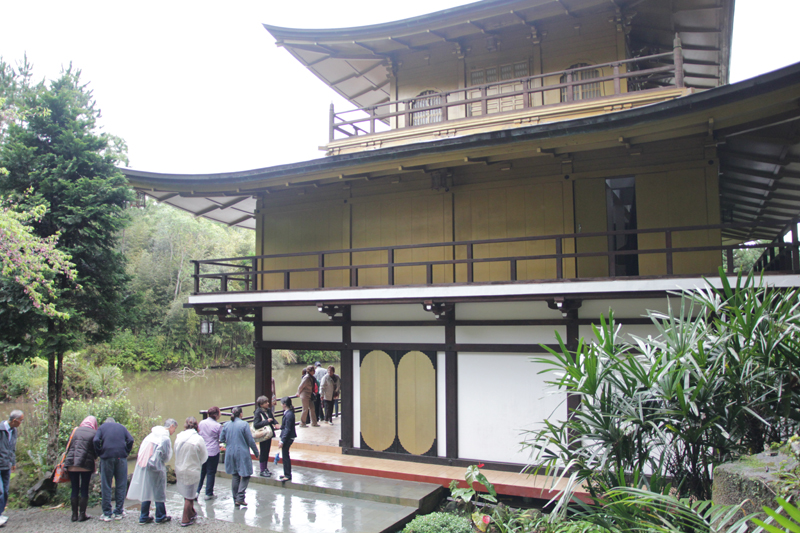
[
  {"x": 573, "y": 335},
  {"x": 346, "y": 440},
  {"x": 451, "y": 386},
  {"x": 263, "y": 360}
]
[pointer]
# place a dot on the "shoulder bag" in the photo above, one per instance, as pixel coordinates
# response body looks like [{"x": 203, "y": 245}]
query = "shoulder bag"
[{"x": 61, "y": 474}]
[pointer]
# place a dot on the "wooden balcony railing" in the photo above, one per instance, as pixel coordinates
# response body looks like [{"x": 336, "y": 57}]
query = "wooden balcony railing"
[
  {"x": 240, "y": 274},
  {"x": 495, "y": 97}
]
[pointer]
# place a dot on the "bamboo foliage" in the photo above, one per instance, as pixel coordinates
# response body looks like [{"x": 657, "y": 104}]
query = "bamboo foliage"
[{"x": 657, "y": 414}]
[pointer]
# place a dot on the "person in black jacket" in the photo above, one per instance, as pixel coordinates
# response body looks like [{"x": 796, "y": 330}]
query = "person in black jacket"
[
  {"x": 80, "y": 465},
  {"x": 264, "y": 417},
  {"x": 112, "y": 444},
  {"x": 288, "y": 434}
]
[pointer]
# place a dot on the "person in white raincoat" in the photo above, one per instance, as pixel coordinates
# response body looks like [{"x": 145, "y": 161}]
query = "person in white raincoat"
[
  {"x": 190, "y": 454},
  {"x": 149, "y": 481}
]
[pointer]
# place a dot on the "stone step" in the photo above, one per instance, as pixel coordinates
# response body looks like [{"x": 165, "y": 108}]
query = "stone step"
[{"x": 423, "y": 497}]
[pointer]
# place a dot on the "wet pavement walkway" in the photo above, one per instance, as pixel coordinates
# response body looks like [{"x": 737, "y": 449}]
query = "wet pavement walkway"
[{"x": 315, "y": 501}]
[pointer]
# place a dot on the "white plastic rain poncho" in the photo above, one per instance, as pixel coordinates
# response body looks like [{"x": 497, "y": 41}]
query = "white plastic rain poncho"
[
  {"x": 149, "y": 481},
  {"x": 190, "y": 454}
]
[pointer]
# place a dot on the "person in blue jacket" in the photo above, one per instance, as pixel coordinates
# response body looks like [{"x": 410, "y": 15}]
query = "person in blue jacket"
[
  {"x": 238, "y": 438},
  {"x": 8, "y": 456},
  {"x": 112, "y": 444},
  {"x": 288, "y": 434}
]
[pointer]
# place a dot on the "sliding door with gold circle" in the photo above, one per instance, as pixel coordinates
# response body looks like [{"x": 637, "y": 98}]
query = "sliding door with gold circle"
[{"x": 398, "y": 401}]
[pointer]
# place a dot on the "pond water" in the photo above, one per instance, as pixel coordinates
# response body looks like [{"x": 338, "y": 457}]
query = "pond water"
[{"x": 170, "y": 395}]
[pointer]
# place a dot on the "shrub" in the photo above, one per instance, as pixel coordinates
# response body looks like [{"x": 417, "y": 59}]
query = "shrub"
[
  {"x": 118, "y": 408},
  {"x": 17, "y": 380},
  {"x": 715, "y": 383},
  {"x": 439, "y": 523}
]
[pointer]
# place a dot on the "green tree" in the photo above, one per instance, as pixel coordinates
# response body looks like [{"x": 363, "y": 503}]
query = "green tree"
[{"x": 53, "y": 148}]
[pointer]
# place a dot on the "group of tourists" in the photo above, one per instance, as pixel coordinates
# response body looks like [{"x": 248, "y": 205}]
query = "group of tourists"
[
  {"x": 197, "y": 453},
  {"x": 318, "y": 390}
]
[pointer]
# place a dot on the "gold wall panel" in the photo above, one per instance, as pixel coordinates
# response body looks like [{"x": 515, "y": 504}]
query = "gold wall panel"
[
  {"x": 678, "y": 198},
  {"x": 416, "y": 409},
  {"x": 378, "y": 400},
  {"x": 508, "y": 212},
  {"x": 304, "y": 229},
  {"x": 591, "y": 217},
  {"x": 388, "y": 221}
]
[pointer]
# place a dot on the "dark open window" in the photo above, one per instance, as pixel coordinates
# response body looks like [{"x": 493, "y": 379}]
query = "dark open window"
[{"x": 621, "y": 210}]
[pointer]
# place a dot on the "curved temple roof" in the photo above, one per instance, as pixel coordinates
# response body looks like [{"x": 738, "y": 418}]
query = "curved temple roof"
[{"x": 356, "y": 62}]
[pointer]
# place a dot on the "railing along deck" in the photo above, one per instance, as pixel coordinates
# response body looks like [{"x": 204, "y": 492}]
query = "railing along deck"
[
  {"x": 490, "y": 98},
  {"x": 243, "y": 273}
]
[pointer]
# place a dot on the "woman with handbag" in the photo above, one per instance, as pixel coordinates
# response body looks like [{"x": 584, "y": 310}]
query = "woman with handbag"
[
  {"x": 264, "y": 418},
  {"x": 79, "y": 460}
]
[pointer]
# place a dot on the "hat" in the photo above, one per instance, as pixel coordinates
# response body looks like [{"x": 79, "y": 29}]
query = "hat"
[{"x": 317, "y": 364}]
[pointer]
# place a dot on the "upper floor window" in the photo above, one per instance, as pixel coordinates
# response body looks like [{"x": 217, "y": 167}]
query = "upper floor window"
[
  {"x": 497, "y": 75},
  {"x": 503, "y": 72},
  {"x": 426, "y": 99},
  {"x": 584, "y": 91}
]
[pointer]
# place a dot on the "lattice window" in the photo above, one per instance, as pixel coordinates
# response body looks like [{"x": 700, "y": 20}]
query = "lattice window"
[
  {"x": 584, "y": 91},
  {"x": 426, "y": 99}
]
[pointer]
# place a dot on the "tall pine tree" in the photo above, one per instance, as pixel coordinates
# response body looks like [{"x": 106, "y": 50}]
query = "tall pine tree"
[{"x": 54, "y": 151}]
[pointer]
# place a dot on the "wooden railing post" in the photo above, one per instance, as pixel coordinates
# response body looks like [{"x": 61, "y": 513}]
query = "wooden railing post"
[
  {"x": 569, "y": 86},
  {"x": 224, "y": 283},
  {"x": 429, "y": 274},
  {"x": 254, "y": 282},
  {"x": 196, "y": 277},
  {"x": 390, "y": 262},
  {"x": 321, "y": 273},
  {"x": 668, "y": 246},
  {"x": 353, "y": 277},
  {"x": 286, "y": 281},
  {"x": 617, "y": 88},
  {"x": 795, "y": 250},
  {"x": 332, "y": 119},
  {"x": 484, "y": 101},
  {"x": 513, "y": 267},
  {"x": 372, "y": 120},
  {"x": 729, "y": 259},
  {"x": 470, "y": 267},
  {"x": 677, "y": 50}
]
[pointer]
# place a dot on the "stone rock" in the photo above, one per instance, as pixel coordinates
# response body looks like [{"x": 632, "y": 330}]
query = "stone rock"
[
  {"x": 750, "y": 481},
  {"x": 171, "y": 479},
  {"x": 42, "y": 491}
]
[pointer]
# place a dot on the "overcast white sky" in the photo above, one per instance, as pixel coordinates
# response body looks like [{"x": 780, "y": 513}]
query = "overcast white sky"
[{"x": 199, "y": 86}]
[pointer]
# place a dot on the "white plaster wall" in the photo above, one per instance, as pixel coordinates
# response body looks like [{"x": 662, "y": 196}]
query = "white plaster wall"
[
  {"x": 302, "y": 333},
  {"x": 508, "y": 334},
  {"x": 304, "y": 313},
  {"x": 390, "y": 312},
  {"x": 356, "y": 399},
  {"x": 506, "y": 311},
  {"x": 625, "y": 331},
  {"x": 380, "y": 334},
  {"x": 499, "y": 397},
  {"x": 441, "y": 407},
  {"x": 626, "y": 308}
]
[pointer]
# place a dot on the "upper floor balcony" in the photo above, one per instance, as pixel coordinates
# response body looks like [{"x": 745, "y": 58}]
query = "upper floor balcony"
[
  {"x": 502, "y": 100},
  {"x": 657, "y": 253}
]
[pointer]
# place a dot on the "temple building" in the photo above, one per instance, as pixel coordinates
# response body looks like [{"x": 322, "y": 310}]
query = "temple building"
[{"x": 509, "y": 171}]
